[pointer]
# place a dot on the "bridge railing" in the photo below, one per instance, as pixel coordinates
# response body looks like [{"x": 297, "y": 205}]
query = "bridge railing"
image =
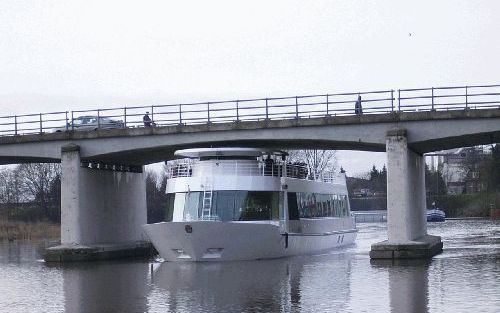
[
  {"x": 449, "y": 98},
  {"x": 278, "y": 108}
]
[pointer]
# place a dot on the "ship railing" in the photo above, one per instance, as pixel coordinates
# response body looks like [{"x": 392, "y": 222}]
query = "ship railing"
[{"x": 297, "y": 171}]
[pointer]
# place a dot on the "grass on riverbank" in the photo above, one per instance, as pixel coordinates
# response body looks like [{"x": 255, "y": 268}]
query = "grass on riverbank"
[{"x": 14, "y": 230}]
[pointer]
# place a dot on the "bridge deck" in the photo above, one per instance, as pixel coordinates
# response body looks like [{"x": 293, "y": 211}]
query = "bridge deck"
[{"x": 435, "y": 119}]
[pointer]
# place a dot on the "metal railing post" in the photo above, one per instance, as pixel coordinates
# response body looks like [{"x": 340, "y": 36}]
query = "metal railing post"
[
  {"x": 392, "y": 100},
  {"x": 152, "y": 115},
  {"x": 327, "y": 106},
  {"x": 208, "y": 112},
  {"x": 399, "y": 100},
  {"x": 237, "y": 111},
  {"x": 41, "y": 127},
  {"x": 267, "y": 110},
  {"x": 125, "y": 117},
  {"x": 15, "y": 124},
  {"x": 72, "y": 121},
  {"x": 180, "y": 113},
  {"x": 432, "y": 98},
  {"x": 98, "y": 118},
  {"x": 466, "y": 98},
  {"x": 296, "y": 107}
]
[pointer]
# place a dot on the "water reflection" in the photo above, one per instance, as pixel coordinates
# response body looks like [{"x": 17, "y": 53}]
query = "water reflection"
[
  {"x": 464, "y": 278},
  {"x": 16, "y": 252},
  {"x": 408, "y": 284},
  {"x": 282, "y": 285},
  {"x": 105, "y": 286}
]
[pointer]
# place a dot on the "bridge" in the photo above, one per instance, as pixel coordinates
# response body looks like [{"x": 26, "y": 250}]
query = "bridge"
[{"x": 103, "y": 193}]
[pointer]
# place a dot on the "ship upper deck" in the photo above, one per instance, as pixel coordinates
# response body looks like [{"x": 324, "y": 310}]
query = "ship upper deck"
[
  {"x": 244, "y": 162},
  {"x": 245, "y": 168}
]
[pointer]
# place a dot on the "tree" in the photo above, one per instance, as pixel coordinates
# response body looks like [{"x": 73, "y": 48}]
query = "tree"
[
  {"x": 156, "y": 197},
  {"x": 495, "y": 167},
  {"x": 4, "y": 185},
  {"x": 36, "y": 181},
  {"x": 374, "y": 173},
  {"x": 317, "y": 161},
  {"x": 378, "y": 179},
  {"x": 54, "y": 200},
  {"x": 10, "y": 184},
  {"x": 382, "y": 180},
  {"x": 490, "y": 170},
  {"x": 434, "y": 182}
]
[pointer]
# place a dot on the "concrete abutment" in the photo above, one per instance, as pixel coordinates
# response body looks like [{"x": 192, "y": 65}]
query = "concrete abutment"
[
  {"x": 102, "y": 212},
  {"x": 406, "y": 207}
]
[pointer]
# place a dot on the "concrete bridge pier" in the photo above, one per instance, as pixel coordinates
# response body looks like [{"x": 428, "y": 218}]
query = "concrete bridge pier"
[
  {"x": 406, "y": 205},
  {"x": 102, "y": 211}
]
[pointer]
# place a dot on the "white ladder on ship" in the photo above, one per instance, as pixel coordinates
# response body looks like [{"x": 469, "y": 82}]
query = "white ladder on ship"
[{"x": 206, "y": 210}]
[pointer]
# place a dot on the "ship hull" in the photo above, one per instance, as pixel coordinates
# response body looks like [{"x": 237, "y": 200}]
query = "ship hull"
[{"x": 230, "y": 241}]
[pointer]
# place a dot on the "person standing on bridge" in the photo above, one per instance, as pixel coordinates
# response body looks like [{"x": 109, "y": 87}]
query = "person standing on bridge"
[
  {"x": 358, "y": 109},
  {"x": 147, "y": 120}
]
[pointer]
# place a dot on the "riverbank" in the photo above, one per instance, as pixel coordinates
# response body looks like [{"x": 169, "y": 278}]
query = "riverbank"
[
  {"x": 457, "y": 206},
  {"x": 15, "y": 230}
]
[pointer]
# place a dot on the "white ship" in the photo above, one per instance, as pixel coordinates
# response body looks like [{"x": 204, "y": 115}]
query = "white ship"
[{"x": 246, "y": 204}]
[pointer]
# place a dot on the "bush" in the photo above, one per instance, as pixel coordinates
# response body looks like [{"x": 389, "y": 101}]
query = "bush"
[{"x": 466, "y": 205}]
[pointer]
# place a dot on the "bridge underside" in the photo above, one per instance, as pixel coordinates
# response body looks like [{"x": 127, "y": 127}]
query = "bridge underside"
[
  {"x": 452, "y": 142},
  {"x": 164, "y": 153},
  {"x": 144, "y": 156}
]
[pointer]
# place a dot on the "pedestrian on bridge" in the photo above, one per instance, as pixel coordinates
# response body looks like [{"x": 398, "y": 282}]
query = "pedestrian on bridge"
[
  {"x": 147, "y": 120},
  {"x": 358, "y": 109}
]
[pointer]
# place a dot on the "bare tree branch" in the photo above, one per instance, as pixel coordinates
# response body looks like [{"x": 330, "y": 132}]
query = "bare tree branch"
[{"x": 317, "y": 161}]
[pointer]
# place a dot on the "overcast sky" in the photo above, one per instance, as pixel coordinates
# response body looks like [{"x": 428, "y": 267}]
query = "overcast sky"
[{"x": 68, "y": 55}]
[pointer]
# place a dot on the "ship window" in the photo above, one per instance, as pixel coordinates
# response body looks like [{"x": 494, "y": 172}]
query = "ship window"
[
  {"x": 192, "y": 206},
  {"x": 224, "y": 205},
  {"x": 276, "y": 205},
  {"x": 311, "y": 205},
  {"x": 170, "y": 207},
  {"x": 235, "y": 205},
  {"x": 256, "y": 205},
  {"x": 293, "y": 211}
]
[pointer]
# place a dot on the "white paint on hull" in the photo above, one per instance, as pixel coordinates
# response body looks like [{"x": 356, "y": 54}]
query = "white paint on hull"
[{"x": 228, "y": 241}]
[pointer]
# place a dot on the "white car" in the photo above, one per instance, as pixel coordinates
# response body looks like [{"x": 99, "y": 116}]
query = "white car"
[{"x": 89, "y": 122}]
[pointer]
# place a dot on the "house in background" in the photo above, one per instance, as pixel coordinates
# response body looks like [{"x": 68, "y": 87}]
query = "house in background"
[{"x": 460, "y": 168}]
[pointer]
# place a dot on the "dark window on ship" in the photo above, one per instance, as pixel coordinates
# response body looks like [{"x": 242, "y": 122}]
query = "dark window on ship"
[
  {"x": 224, "y": 205},
  {"x": 293, "y": 210},
  {"x": 170, "y": 207},
  {"x": 256, "y": 205},
  {"x": 312, "y": 205}
]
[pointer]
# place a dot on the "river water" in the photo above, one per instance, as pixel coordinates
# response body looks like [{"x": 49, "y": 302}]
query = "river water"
[{"x": 464, "y": 278}]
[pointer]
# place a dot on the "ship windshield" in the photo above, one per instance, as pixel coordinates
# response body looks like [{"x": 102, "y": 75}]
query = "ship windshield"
[{"x": 232, "y": 206}]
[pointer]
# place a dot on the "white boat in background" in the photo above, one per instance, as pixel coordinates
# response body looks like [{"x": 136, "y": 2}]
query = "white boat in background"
[{"x": 245, "y": 204}]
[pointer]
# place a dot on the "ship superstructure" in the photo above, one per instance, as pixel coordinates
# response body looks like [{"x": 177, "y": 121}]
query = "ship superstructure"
[{"x": 246, "y": 203}]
